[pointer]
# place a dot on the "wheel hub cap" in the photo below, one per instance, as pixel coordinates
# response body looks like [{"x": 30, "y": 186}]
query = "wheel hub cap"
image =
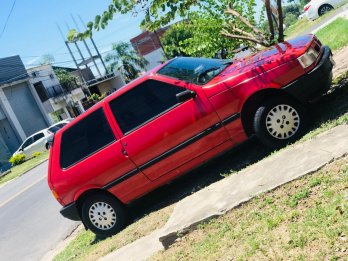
[
  {"x": 282, "y": 121},
  {"x": 102, "y": 215}
]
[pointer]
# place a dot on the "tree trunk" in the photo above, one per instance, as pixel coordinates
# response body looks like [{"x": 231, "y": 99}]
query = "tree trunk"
[
  {"x": 280, "y": 21},
  {"x": 270, "y": 20}
]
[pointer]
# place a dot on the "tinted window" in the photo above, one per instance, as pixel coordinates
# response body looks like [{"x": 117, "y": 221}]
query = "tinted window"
[
  {"x": 84, "y": 138},
  {"x": 143, "y": 103},
  {"x": 195, "y": 70},
  {"x": 28, "y": 142},
  {"x": 57, "y": 127},
  {"x": 38, "y": 136}
]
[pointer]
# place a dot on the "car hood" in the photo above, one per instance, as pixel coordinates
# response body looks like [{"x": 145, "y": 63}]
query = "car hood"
[{"x": 267, "y": 59}]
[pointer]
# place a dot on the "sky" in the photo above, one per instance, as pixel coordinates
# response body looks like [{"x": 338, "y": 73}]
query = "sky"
[{"x": 32, "y": 31}]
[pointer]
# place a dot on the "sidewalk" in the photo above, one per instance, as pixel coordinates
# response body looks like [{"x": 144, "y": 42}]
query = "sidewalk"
[{"x": 220, "y": 197}]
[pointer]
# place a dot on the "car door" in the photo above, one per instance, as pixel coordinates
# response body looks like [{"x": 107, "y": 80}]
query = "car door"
[
  {"x": 26, "y": 149},
  {"x": 38, "y": 143},
  {"x": 161, "y": 133}
]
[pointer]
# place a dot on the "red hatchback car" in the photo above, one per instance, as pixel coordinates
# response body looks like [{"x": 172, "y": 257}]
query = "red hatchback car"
[{"x": 177, "y": 117}]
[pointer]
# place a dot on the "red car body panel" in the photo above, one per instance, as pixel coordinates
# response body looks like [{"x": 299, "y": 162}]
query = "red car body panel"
[{"x": 181, "y": 138}]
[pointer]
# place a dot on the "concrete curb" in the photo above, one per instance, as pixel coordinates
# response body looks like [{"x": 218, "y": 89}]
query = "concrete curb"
[{"x": 224, "y": 195}]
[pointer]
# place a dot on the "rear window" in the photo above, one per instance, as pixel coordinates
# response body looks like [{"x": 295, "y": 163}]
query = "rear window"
[
  {"x": 84, "y": 138},
  {"x": 57, "y": 127}
]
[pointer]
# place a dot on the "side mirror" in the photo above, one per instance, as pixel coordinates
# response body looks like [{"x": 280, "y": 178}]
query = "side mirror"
[{"x": 185, "y": 95}]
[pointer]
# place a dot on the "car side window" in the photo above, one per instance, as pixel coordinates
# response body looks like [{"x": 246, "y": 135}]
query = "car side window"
[
  {"x": 84, "y": 138},
  {"x": 38, "y": 136},
  {"x": 143, "y": 103},
  {"x": 27, "y": 143}
]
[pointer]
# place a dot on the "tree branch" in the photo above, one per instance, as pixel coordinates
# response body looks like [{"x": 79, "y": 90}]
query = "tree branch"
[
  {"x": 251, "y": 39},
  {"x": 245, "y": 21}
]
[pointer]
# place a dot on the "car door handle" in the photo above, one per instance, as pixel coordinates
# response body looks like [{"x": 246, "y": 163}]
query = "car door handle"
[{"x": 125, "y": 152}]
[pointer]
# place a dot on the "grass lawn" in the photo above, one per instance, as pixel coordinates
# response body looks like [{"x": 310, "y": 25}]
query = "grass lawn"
[
  {"x": 19, "y": 170},
  {"x": 303, "y": 220},
  {"x": 302, "y": 25},
  {"x": 334, "y": 34},
  {"x": 86, "y": 247}
]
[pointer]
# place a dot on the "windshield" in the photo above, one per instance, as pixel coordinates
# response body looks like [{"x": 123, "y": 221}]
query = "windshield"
[{"x": 195, "y": 70}]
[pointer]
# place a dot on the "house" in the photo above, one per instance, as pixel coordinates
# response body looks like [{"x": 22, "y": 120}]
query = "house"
[
  {"x": 106, "y": 83},
  {"x": 59, "y": 101},
  {"x": 21, "y": 112}
]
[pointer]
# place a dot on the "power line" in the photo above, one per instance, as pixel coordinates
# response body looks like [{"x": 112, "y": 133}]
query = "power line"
[{"x": 8, "y": 18}]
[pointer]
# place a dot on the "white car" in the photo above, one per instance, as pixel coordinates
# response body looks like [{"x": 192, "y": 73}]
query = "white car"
[
  {"x": 316, "y": 8},
  {"x": 38, "y": 141}
]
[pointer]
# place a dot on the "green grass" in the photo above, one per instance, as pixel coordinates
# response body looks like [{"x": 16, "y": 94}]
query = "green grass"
[
  {"x": 302, "y": 25},
  {"x": 313, "y": 227},
  {"x": 87, "y": 247},
  {"x": 334, "y": 34},
  {"x": 19, "y": 170}
]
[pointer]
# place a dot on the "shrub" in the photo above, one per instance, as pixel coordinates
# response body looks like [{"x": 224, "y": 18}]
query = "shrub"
[
  {"x": 17, "y": 159},
  {"x": 36, "y": 154}
]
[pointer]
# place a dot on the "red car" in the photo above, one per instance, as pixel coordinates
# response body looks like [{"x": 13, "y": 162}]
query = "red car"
[{"x": 177, "y": 117}]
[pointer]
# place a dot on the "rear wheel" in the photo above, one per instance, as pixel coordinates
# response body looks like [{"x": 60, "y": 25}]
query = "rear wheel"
[
  {"x": 279, "y": 122},
  {"x": 324, "y": 9},
  {"x": 103, "y": 214}
]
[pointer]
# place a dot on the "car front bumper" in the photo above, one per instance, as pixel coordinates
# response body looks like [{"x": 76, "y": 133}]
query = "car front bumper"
[
  {"x": 70, "y": 211},
  {"x": 315, "y": 82}
]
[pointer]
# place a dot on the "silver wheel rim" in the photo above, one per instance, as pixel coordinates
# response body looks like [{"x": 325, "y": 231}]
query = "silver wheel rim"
[
  {"x": 102, "y": 215},
  {"x": 282, "y": 121},
  {"x": 324, "y": 10}
]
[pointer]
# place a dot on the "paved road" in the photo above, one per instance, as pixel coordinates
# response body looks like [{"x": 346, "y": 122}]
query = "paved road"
[{"x": 30, "y": 222}]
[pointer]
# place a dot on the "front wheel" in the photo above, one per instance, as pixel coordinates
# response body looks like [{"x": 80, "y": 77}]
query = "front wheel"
[
  {"x": 103, "y": 215},
  {"x": 279, "y": 122}
]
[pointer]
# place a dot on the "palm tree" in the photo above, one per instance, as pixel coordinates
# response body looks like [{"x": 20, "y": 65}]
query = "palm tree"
[{"x": 124, "y": 59}]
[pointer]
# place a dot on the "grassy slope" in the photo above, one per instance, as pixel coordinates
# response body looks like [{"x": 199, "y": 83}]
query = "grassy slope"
[
  {"x": 303, "y": 220},
  {"x": 19, "y": 170},
  {"x": 86, "y": 247},
  {"x": 335, "y": 34}
]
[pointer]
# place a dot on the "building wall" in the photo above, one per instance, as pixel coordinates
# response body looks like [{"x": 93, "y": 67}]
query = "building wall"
[{"x": 25, "y": 108}]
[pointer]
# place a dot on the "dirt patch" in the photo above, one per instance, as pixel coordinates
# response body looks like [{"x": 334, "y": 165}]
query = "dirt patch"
[{"x": 341, "y": 59}]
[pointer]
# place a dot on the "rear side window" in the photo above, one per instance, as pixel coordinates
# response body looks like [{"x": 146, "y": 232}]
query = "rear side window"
[
  {"x": 38, "y": 136},
  {"x": 85, "y": 138},
  {"x": 143, "y": 103}
]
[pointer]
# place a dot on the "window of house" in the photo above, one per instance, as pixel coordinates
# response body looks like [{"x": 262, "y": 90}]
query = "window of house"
[
  {"x": 143, "y": 103},
  {"x": 84, "y": 138}
]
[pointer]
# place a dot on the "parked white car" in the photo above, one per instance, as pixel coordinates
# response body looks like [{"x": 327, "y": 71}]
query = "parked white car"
[
  {"x": 38, "y": 141},
  {"x": 316, "y": 8}
]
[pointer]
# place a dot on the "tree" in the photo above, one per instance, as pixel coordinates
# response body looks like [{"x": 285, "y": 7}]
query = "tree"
[
  {"x": 158, "y": 13},
  {"x": 254, "y": 34},
  {"x": 124, "y": 59},
  {"x": 66, "y": 80}
]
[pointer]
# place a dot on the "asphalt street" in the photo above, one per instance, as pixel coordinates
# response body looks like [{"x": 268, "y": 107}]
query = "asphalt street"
[{"x": 30, "y": 222}]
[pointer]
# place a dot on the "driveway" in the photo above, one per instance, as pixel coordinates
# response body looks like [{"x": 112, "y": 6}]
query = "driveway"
[{"x": 30, "y": 222}]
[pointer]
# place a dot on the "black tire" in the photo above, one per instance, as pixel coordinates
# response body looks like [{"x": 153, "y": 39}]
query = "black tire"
[
  {"x": 279, "y": 121},
  {"x": 106, "y": 221},
  {"x": 47, "y": 146},
  {"x": 324, "y": 9}
]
